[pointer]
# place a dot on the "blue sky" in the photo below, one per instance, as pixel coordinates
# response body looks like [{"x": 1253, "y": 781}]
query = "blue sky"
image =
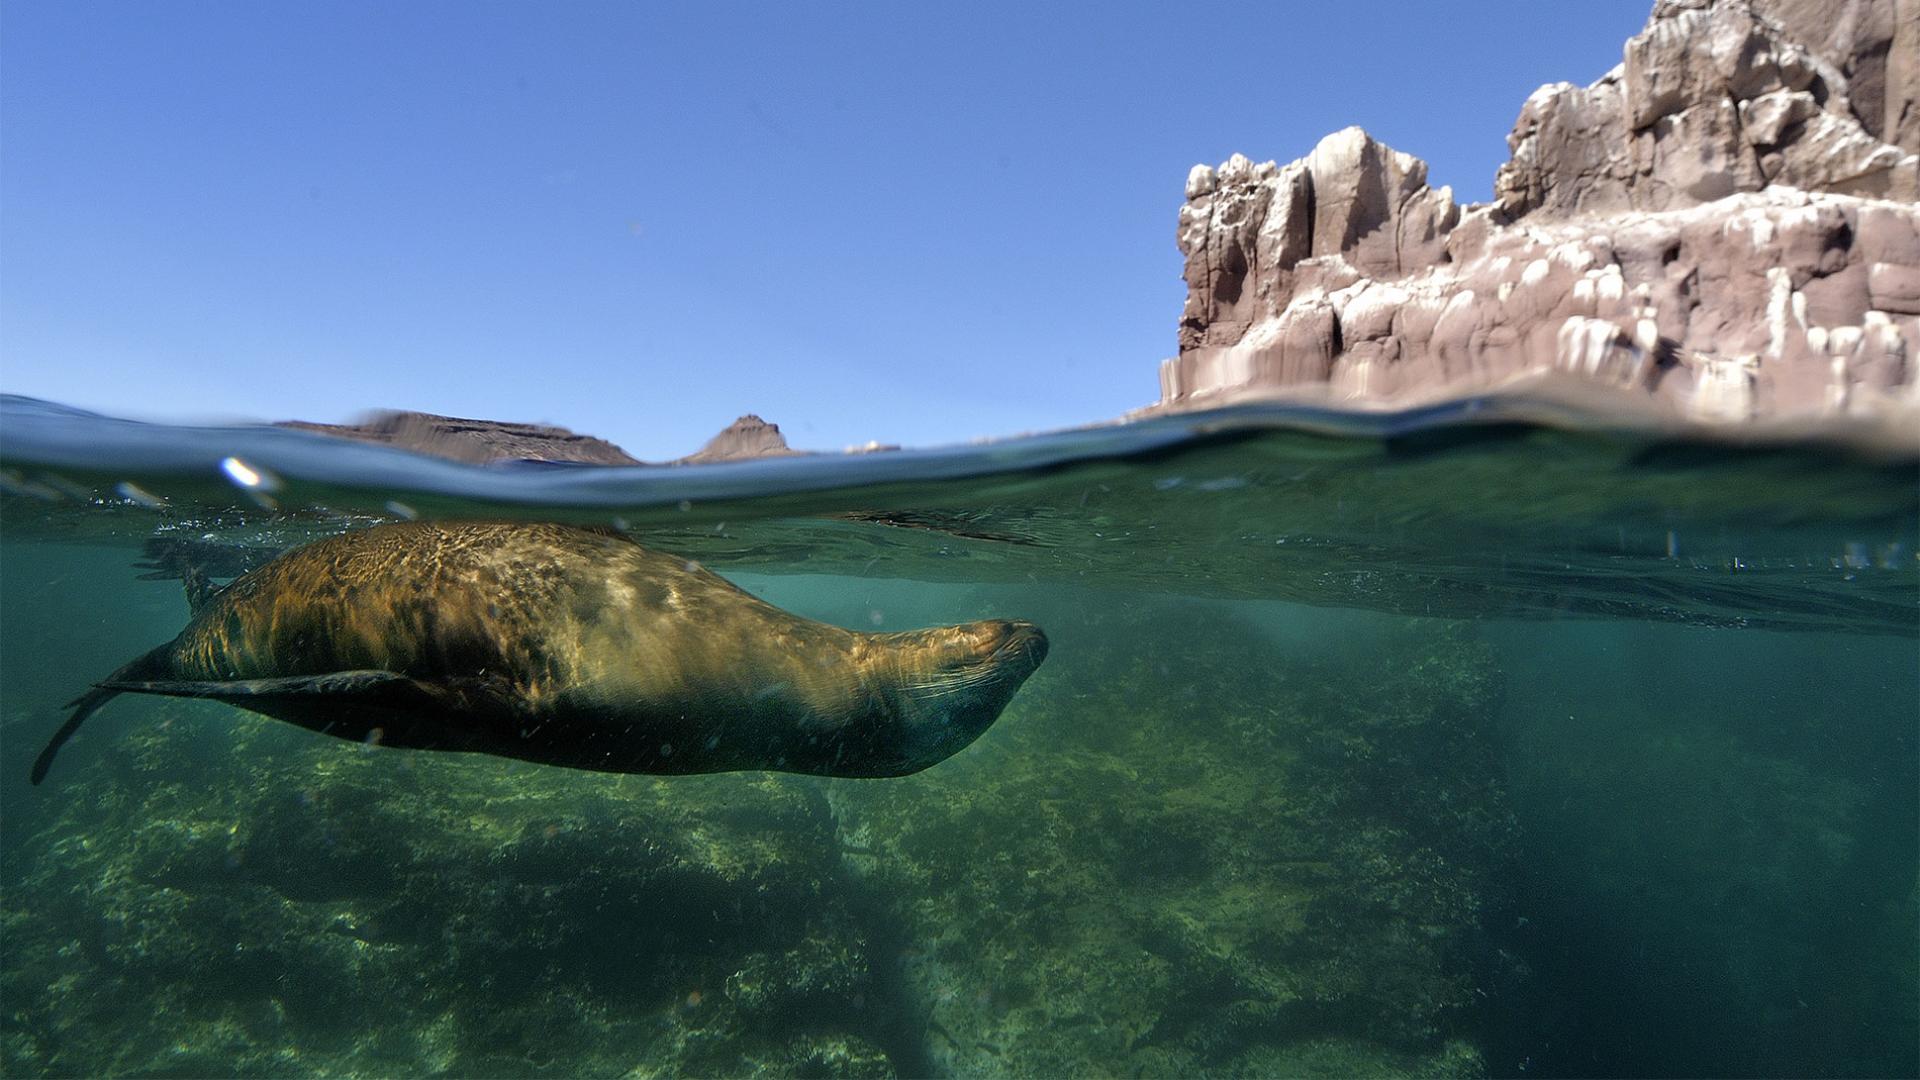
[{"x": 916, "y": 223}]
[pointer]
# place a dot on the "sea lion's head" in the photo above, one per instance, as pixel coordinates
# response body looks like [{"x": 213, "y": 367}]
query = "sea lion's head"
[{"x": 934, "y": 691}]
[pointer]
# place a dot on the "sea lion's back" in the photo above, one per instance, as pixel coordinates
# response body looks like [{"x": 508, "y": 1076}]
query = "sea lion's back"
[{"x": 417, "y": 598}]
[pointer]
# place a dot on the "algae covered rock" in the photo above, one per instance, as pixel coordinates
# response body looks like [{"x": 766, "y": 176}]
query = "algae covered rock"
[
  {"x": 229, "y": 895},
  {"x": 1258, "y": 869}
]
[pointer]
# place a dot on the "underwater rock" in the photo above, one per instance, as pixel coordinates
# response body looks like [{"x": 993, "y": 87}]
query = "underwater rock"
[{"x": 1254, "y": 868}]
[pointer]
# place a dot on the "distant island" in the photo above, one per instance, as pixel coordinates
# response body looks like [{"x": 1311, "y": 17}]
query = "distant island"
[{"x": 487, "y": 442}]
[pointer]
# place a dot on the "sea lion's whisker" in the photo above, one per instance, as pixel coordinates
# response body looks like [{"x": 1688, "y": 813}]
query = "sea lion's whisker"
[{"x": 947, "y": 684}]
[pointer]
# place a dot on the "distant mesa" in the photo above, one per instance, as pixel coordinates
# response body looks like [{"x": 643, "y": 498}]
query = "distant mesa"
[
  {"x": 475, "y": 442},
  {"x": 488, "y": 442},
  {"x": 1724, "y": 225}
]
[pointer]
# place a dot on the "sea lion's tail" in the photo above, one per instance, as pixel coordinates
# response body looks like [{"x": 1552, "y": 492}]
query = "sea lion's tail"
[{"x": 85, "y": 706}]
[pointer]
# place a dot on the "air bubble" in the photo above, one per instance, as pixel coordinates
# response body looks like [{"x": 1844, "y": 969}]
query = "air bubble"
[{"x": 134, "y": 493}]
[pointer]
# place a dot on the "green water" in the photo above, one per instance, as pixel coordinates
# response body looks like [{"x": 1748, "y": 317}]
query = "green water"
[{"x": 1446, "y": 748}]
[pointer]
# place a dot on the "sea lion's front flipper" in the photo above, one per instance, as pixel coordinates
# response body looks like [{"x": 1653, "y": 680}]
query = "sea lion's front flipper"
[
  {"x": 86, "y": 704},
  {"x": 289, "y": 698},
  {"x": 373, "y": 688},
  {"x": 83, "y": 707},
  {"x": 380, "y": 705},
  {"x": 373, "y": 705}
]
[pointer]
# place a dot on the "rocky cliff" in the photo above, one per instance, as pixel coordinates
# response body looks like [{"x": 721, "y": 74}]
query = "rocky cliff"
[{"x": 1725, "y": 223}]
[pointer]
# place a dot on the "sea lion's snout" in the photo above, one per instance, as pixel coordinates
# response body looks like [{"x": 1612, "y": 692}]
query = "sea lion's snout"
[
  {"x": 1028, "y": 639},
  {"x": 978, "y": 655},
  {"x": 953, "y": 682},
  {"x": 1022, "y": 647},
  {"x": 995, "y": 642}
]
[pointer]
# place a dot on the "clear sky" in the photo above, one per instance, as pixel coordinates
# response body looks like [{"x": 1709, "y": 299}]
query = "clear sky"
[{"x": 910, "y": 222}]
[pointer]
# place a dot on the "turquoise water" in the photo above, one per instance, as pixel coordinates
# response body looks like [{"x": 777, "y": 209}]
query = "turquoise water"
[{"x": 1448, "y": 742}]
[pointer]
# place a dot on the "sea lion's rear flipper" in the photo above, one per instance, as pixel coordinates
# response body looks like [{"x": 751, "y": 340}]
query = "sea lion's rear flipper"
[
  {"x": 197, "y": 562},
  {"x": 370, "y": 688},
  {"x": 176, "y": 562}
]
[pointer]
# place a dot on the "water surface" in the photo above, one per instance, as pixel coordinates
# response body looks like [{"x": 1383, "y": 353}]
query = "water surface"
[{"x": 1449, "y": 741}]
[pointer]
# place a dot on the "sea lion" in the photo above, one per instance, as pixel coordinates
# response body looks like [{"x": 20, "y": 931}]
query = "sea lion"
[{"x": 574, "y": 647}]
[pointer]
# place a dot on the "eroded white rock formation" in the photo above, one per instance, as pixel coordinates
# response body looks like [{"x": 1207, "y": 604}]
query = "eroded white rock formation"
[{"x": 1716, "y": 224}]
